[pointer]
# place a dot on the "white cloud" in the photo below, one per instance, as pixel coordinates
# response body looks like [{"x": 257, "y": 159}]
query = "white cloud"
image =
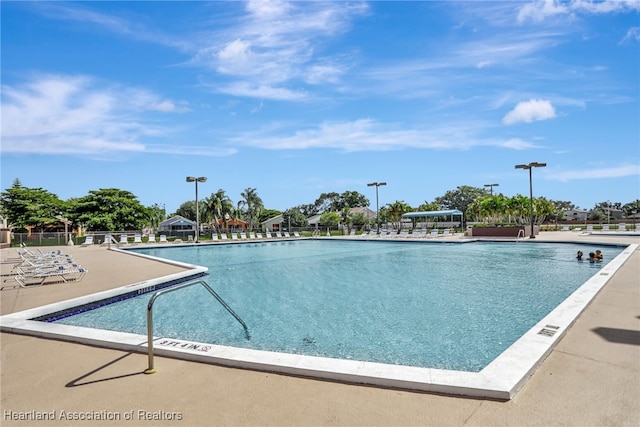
[
  {"x": 58, "y": 114},
  {"x": 370, "y": 135},
  {"x": 529, "y": 111},
  {"x": 632, "y": 34},
  {"x": 274, "y": 44},
  {"x": 601, "y": 173},
  {"x": 518, "y": 144},
  {"x": 539, "y": 10}
]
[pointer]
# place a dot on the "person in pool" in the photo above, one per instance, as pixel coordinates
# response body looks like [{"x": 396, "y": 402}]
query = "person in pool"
[
  {"x": 599, "y": 255},
  {"x": 579, "y": 257},
  {"x": 592, "y": 257}
]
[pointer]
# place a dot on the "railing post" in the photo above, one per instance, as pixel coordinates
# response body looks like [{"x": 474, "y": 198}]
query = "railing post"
[{"x": 151, "y": 369}]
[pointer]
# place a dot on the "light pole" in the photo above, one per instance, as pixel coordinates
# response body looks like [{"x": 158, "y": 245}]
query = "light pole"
[
  {"x": 377, "y": 184},
  {"x": 197, "y": 180},
  {"x": 530, "y": 166},
  {"x": 491, "y": 187}
]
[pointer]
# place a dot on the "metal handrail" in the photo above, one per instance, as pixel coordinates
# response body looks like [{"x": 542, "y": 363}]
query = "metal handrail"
[
  {"x": 151, "y": 369},
  {"x": 518, "y": 236}
]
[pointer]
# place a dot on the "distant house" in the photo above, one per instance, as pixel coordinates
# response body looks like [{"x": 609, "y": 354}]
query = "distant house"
[
  {"x": 177, "y": 223},
  {"x": 576, "y": 214},
  {"x": 368, "y": 213},
  {"x": 272, "y": 224},
  {"x": 233, "y": 224},
  {"x": 314, "y": 221},
  {"x": 614, "y": 213}
]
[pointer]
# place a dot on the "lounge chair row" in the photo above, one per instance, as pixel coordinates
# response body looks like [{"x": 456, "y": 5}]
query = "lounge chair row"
[
  {"x": 38, "y": 268},
  {"x": 416, "y": 234},
  {"x": 255, "y": 236}
]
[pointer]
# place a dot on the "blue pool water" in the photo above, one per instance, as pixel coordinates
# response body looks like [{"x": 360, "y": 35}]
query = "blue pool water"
[{"x": 447, "y": 306}]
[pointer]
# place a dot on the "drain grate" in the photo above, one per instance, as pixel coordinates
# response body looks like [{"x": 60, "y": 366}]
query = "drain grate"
[{"x": 549, "y": 330}]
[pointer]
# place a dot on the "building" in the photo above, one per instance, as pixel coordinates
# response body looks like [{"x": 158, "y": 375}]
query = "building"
[
  {"x": 272, "y": 224},
  {"x": 177, "y": 223},
  {"x": 576, "y": 214}
]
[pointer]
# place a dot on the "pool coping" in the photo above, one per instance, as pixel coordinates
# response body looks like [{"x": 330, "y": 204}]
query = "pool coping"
[{"x": 501, "y": 379}]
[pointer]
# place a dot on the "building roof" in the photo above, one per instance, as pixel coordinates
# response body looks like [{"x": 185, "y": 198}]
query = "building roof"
[
  {"x": 450, "y": 212},
  {"x": 176, "y": 220}
]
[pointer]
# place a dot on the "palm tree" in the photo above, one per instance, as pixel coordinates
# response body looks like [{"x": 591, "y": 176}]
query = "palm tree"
[
  {"x": 254, "y": 204},
  {"x": 217, "y": 207},
  {"x": 396, "y": 210}
]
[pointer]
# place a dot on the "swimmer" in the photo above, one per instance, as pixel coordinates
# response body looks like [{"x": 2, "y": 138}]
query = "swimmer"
[
  {"x": 598, "y": 255},
  {"x": 592, "y": 257},
  {"x": 579, "y": 257}
]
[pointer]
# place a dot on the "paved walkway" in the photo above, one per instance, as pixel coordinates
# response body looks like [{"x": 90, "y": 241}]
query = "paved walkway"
[{"x": 592, "y": 378}]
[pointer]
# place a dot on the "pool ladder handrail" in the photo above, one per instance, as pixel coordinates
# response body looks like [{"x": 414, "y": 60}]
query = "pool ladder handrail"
[
  {"x": 151, "y": 369},
  {"x": 520, "y": 232},
  {"x": 315, "y": 234}
]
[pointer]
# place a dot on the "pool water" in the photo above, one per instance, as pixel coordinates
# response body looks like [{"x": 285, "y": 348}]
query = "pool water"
[{"x": 435, "y": 305}]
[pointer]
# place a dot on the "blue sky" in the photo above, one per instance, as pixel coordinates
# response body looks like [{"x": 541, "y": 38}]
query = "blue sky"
[{"x": 296, "y": 99}]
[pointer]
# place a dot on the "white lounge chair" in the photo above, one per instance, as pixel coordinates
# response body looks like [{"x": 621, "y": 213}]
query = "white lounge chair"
[
  {"x": 242, "y": 235},
  {"x": 296, "y": 234},
  {"x": 622, "y": 227},
  {"x": 163, "y": 238},
  {"x": 59, "y": 273},
  {"x": 605, "y": 227},
  {"x": 223, "y": 236},
  {"x": 565, "y": 228},
  {"x": 434, "y": 233},
  {"x": 278, "y": 234},
  {"x": 124, "y": 240},
  {"x": 589, "y": 227},
  {"x": 446, "y": 233},
  {"x": 268, "y": 234},
  {"x": 259, "y": 235},
  {"x": 88, "y": 241},
  {"x": 234, "y": 236},
  {"x": 152, "y": 238},
  {"x": 287, "y": 235},
  {"x": 252, "y": 235},
  {"x": 137, "y": 238},
  {"x": 214, "y": 237}
]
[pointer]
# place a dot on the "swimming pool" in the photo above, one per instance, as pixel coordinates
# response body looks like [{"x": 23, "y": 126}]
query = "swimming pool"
[
  {"x": 334, "y": 276},
  {"x": 450, "y": 306}
]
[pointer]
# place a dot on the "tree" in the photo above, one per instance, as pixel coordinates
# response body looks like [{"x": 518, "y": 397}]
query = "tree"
[
  {"x": 218, "y": 206},
  {"x": 30, "y": 207},
  {"x": 352, "y": 199},
  {"x": 110, "y": 209},
  {"x": 294, "y": 218},
  {"x": 187, "y": 210},
  {"x": 396, "y": 210},
  {"x": 327, "y": 202},
  {"x": 429, "y": 206},
  {"x": 330, "y": 219},
  {"x": 157, "y": 215},
  {"x": 266, "y": 214},
  {"x": 359, "y": 219},
  {"x": 630, "y": 207},
  {"x": 460, "y": 198},
  {"x": 253, "y": 203}
]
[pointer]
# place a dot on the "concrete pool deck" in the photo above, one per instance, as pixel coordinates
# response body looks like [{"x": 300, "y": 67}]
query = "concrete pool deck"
[{"x": 591, "y": 378}]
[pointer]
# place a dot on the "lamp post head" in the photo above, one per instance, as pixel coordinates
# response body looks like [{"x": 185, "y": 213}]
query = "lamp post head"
[
  {"x": 194, "y": 179},
  {"x": 377, "y": 184},
  {"x": 531, "y": 165}
]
